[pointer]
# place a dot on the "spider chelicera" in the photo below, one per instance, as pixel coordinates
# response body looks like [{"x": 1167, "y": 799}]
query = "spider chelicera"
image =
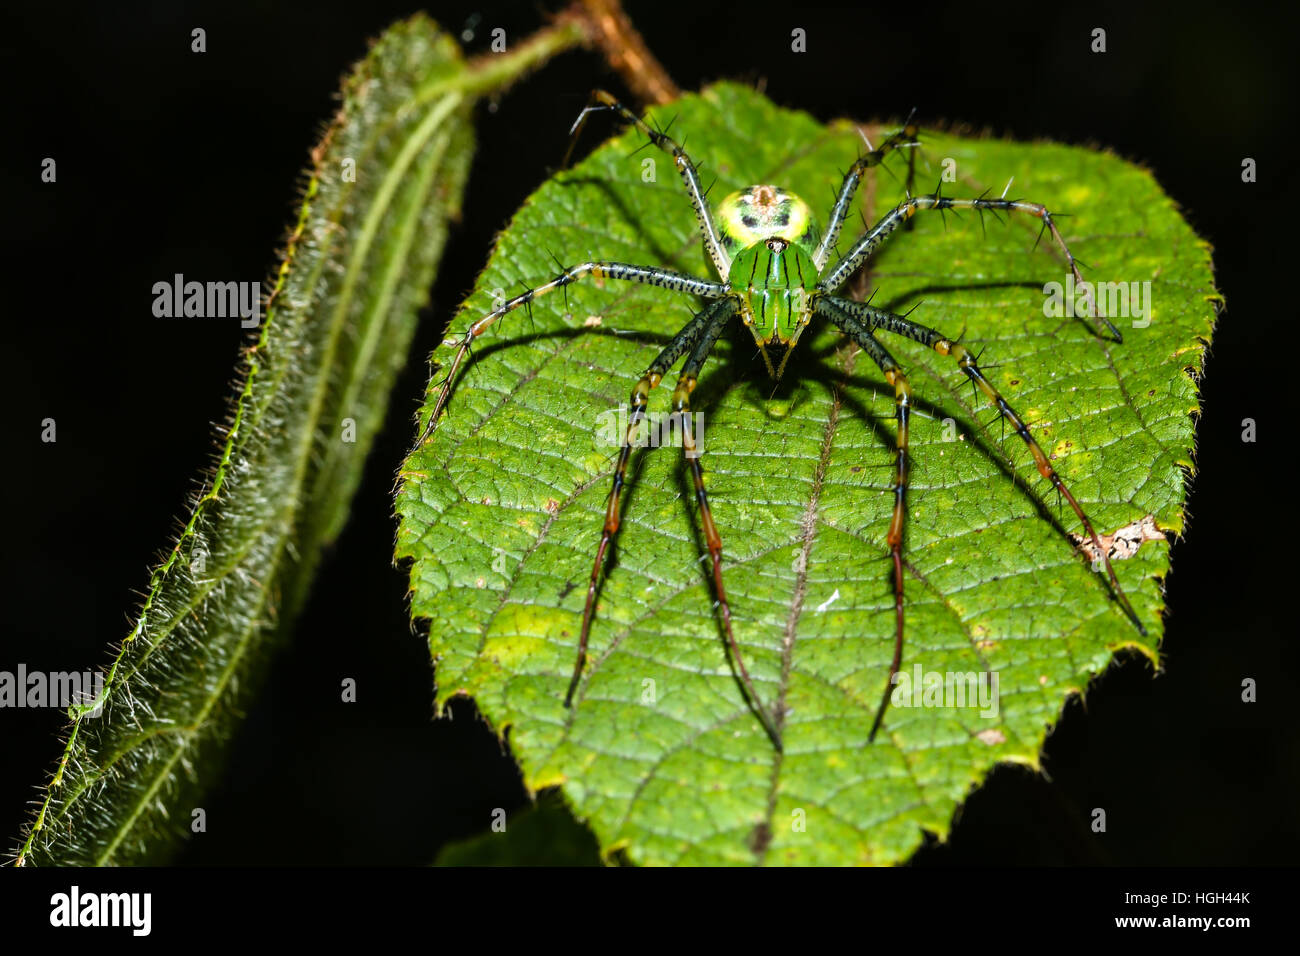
[{"x": 772, "y": 264}]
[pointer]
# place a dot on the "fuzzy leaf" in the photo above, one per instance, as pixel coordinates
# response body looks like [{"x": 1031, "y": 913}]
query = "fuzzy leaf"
[
  {"x": 341, "y": 315},
  {"x": 501, "y": 510}
]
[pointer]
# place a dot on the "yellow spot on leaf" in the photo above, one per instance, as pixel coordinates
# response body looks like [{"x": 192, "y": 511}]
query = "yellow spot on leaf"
[
  {"x": 523, "y": 634},
  {"x": 1076, "y": 196}
]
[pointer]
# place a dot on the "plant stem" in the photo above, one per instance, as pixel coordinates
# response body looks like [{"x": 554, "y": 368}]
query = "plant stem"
[{"x": 609, "y": 28}]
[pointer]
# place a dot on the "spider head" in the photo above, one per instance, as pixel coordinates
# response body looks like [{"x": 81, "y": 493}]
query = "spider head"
[
  {"x": 775, "y": 282},
  {"x": 763, "y": 212}
]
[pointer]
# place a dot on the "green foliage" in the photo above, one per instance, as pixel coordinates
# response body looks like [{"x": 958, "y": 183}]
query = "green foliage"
[
  {"x": 501, "y": 509},
  {"x": 542, "y": 835},
  {"x": 341, "y": 315}
]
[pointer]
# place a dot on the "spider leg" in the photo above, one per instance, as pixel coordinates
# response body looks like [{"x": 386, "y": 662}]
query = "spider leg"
[
  {"x": 646, "y": 275},
  {"x": 860, "y": 332},
  {"x": 891, "y": 322},
  {"x": 682, "y": 414},
  {"x": 701, "y": 326},
  {"x": 600, "y": 99},
  {"x": 875, "y": 237},
  {"x": 852, "y": 179}
]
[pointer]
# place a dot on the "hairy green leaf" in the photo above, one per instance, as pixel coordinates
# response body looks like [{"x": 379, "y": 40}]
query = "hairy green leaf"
[
  {"x": 385, "y": 180},
  {"x": 501, "y": 510}
]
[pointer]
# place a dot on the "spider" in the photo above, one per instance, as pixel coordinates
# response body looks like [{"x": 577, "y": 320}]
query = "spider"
[{"x": 774, "y": 276}]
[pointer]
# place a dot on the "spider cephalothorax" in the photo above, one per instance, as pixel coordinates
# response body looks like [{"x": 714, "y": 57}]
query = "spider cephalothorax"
[
  {"x": 761, "y": 212},
  {"x": 774, "y": 272}
]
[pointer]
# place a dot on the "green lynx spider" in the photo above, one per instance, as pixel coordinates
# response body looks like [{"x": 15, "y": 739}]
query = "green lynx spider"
[{"x": 764, "y": 244}]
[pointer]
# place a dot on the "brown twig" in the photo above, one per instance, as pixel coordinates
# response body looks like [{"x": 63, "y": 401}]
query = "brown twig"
[{"x": 609, "y": 30}]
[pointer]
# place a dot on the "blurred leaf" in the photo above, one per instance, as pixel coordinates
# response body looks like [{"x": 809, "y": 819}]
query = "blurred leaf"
[
  {"x": 544, "y": 834},
  {"x": 501, "y": 510}
]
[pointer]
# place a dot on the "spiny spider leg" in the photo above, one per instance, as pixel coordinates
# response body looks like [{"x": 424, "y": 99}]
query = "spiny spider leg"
[
  {"x": 900, "y": 325},
  {"x": 858, "y": 330},
  {"x": 874, "y": 237},
  {"x": 699, "y": 335},
  {"x": 682, "y": 413},
  {"x": 646, "y": 275},
  {"x": 852, "y": 179},
  {"x": 682, "y": 341},
  {"x": 603, "y": 100}
]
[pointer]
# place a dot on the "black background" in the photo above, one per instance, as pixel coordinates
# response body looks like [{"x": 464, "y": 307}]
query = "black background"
[{"x": 170, "y": 161}]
